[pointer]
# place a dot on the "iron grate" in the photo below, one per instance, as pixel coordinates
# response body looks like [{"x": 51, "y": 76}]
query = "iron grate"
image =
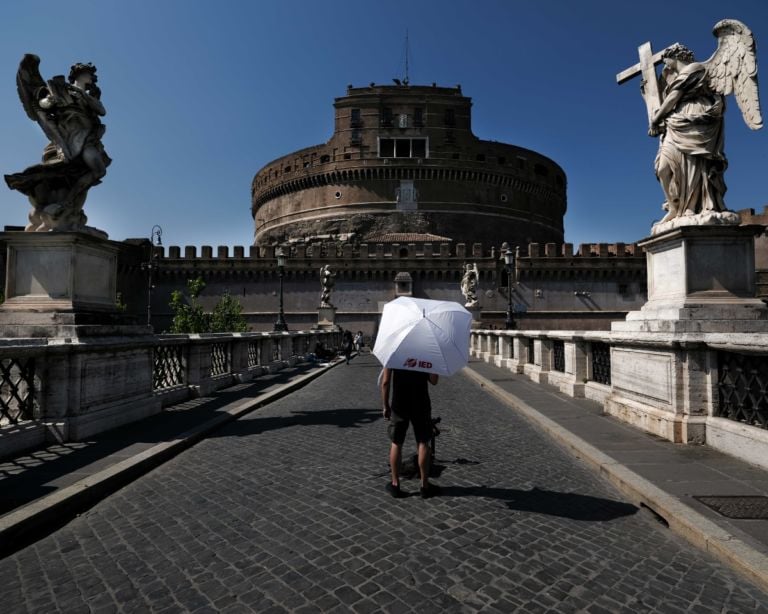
[
  {"x": 558, "y": 355},
  {"x": 743, "y": 507}
]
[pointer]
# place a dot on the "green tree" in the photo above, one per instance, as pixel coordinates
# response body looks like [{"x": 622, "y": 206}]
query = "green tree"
[
  {"x": 190, "y": 317},
  {"x": 227, "y": 316}
]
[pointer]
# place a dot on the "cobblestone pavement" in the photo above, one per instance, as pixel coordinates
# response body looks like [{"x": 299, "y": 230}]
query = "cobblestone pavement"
[{"x": 285, "y": 510}]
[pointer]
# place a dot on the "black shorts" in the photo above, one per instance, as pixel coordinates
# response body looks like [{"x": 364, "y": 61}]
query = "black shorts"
[{"x": 422, "y": 426}]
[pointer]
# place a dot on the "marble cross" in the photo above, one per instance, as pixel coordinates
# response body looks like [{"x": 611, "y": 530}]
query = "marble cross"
[{"x": 647, "y": 68}]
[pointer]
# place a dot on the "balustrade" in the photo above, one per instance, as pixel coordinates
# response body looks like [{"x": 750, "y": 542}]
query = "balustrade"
[{"x": 68, "y": 392}]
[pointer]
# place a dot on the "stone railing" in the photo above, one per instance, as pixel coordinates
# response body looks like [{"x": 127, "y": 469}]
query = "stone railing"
[
  {"x": 708, "y": 388},
  {"x": 67, "y": 391},
  {"x": 198, "y": 364}
]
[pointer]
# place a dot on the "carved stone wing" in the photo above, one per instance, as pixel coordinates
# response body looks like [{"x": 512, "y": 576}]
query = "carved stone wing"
[
  {"x": 732, "y": 69},
  {"x": 28, "y": 84},
  {"x": 32, "y": 89}
]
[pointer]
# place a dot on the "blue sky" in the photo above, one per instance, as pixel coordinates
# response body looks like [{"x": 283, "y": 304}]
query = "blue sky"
[{"x": 200, "y": 95}]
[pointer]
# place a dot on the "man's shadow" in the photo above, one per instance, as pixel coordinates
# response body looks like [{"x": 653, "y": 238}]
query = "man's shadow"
[
  {"x": 550, "y": 502},
  {"x": 342, "y": 418}
]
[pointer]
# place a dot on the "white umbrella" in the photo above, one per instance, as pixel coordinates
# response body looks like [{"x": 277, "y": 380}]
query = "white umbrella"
[{"x": 423, "y": 335}]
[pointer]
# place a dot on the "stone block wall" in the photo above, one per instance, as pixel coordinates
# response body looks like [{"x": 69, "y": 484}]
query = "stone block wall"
[{"x": 554, "y": 284}]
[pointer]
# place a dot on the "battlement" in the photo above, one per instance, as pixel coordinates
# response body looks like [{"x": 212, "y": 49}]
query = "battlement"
[
  {"x": 322, "y": 251},
  {"x": 748, "y": 216}
]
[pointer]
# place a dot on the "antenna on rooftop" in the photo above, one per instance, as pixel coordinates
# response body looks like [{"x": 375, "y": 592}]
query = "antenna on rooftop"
[{"x": 404, "y": 80}]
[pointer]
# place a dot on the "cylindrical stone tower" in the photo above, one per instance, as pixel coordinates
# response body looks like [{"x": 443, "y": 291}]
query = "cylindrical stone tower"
[{"x": 403, "y": 161}]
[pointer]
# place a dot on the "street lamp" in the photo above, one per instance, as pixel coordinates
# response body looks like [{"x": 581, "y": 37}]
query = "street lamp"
[
  {"x": 155, "y": 240},
  {"x": 509, "y": 263},
  {"x": 280, "y": 324}
]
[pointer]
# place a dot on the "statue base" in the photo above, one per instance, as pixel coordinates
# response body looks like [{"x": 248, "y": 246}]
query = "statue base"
[
  {"x": 476, "y": 316},
  {"x": 701, "y": 282},
  {"x": 326, "y": 318},
  {"x": 700, "y": 279},
  {"x": 62, "y": 284}
]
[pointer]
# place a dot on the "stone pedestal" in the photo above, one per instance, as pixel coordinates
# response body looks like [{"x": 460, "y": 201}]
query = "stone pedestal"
[
  {"x": 701, "y": 281},
  {"x": 93, "y": 363},
  {"x": 62, "y": 284},
  {"x": 326, "y": 318},
  {"x": 476, "y": 317}
]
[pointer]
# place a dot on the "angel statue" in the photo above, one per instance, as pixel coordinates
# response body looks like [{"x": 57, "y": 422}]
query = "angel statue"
[
  {"x": 690, "y": 162},
  {"x": 69, "y": 114},
  {"x": 469, "y": 285},
  {"x": 326, "y": 282}
]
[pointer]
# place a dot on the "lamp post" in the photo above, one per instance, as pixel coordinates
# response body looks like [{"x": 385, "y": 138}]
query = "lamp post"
[
  {"x": 155, "y": 240},
  {"x": 509, "y": 263},
  {"x": 280, "y": 324}
]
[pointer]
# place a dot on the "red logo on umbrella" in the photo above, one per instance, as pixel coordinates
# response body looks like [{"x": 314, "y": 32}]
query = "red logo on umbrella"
[{"x": 421, "y": 364}]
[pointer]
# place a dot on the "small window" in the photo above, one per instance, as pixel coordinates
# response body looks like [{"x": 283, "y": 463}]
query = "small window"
[
  {"x": 419, "y": 148},
  {"x": 347, "y": 156},
  {"x": 355, "y": 118},
  {"x": 504, "y": 198},
  {"x": 450, "y": 117},
  {"x": 287, "y": 169},
  {"x": 323, "y": 159},
  {"x": 402, "y": 148},
  {"x": 480, "y": 157},
  {"x": 501, "y": 160},
  {"x": 386, "y": 148},
  {"x": 418, "y": 117},
  {"x": 356, "y": 137},
  {"x": 386, "y": 117}
]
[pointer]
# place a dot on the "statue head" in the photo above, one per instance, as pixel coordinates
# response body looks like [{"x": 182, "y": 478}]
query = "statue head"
[
  {"x": 678, "y": 52},
  {"x": 79, "y": 69}
]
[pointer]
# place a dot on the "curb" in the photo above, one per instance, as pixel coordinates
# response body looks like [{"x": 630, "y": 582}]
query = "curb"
[
  {"x": 22, "y": 526},
  {"x": 682, "y": 519}
]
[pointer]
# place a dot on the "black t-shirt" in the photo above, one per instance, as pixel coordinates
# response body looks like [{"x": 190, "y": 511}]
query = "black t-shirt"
[{"x": 410, "y": 392}]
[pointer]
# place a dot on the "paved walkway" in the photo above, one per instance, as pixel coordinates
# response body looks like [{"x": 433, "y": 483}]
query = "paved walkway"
[{"x": 284, "y": 510}]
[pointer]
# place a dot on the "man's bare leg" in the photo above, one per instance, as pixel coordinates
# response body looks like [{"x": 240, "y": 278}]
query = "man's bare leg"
[
  {"x": 424, "y": 464},
  {"x": 395, "y": 456}
]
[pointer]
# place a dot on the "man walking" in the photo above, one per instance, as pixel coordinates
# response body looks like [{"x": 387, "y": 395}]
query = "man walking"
[{"x": 410, "y": 405}]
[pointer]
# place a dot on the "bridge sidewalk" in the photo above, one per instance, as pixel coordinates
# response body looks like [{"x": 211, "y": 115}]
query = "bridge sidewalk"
[
  {"x": 45, "y": 488},
  {"x": 667, "y": 478}
]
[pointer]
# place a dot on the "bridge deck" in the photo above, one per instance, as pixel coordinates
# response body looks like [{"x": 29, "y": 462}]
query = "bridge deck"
[{"x": 284, "y": 509}]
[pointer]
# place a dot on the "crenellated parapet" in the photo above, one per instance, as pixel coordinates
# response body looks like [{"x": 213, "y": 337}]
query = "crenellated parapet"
[
  {"x": 361, "y": 261},
  {"x": 365, "y": 252}
]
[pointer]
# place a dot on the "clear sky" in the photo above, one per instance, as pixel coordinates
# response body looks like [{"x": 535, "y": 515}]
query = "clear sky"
[{"x": 202, "y": 94}]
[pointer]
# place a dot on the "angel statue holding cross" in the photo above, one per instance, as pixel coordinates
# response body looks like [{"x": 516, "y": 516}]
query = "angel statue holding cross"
[{"x": 686, "y": 106}]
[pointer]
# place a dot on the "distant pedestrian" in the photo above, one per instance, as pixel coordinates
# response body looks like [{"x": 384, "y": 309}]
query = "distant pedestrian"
[
  {"x": 346, "y": 344},
  {"x": 410, "y": 404},
  {"x": 358, "y": 340}
]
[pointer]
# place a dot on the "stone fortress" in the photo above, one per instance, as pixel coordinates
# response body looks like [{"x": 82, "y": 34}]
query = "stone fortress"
[
  {"x": 403, "y": 160},
  {"x": 392, "y": 203}
]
